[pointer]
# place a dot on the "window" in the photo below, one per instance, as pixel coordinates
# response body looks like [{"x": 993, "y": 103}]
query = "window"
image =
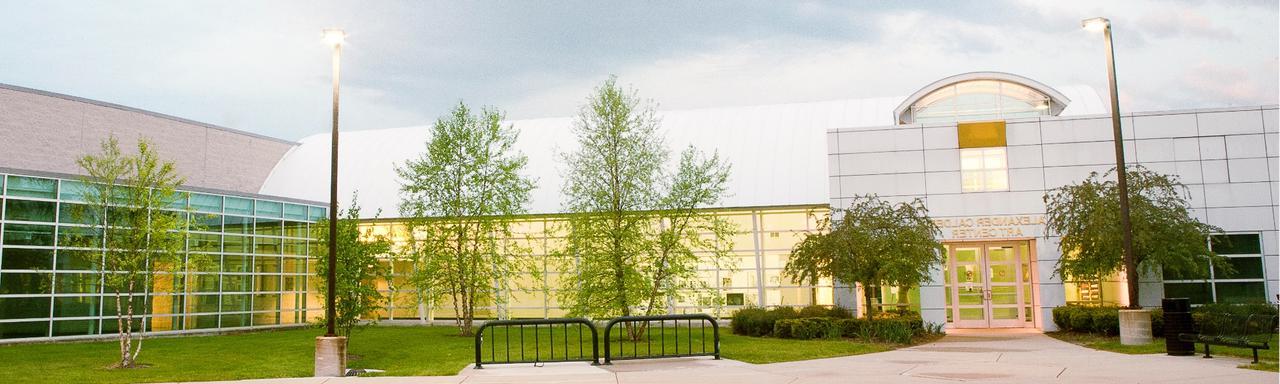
[
  {"x": 28, "y": 234},
  {"x": 1246, "y": 283},
  {"x": 984, "y": 169},
  {"x": 29, "y": 210},
  {"x": 239, "y": 206},
  {"x": 206, "y": 203},
  {"x": 32, "y": 187},
  {"x": 978, "y": 100},
  {"x": 269, "y": 208}
]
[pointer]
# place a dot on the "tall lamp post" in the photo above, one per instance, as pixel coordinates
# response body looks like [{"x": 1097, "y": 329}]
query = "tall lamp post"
[
  {"x": 1101, "y": 24},
  {"x": 331, "y": 349},
  {"x": 1135, "y": 323}
]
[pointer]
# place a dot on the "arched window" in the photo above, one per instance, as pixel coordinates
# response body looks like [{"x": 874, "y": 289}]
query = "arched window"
[{"x": 980, "y": 96}]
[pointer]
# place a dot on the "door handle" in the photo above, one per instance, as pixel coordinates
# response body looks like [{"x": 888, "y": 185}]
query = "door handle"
[{"x": 986, "y": 294}]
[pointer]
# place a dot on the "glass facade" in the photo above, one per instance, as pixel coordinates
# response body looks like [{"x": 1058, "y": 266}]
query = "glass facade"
[
  {"x": 253, "y": 271},
  {"x": 760, "y": 251},
  {"x": 978, "y": 100}
]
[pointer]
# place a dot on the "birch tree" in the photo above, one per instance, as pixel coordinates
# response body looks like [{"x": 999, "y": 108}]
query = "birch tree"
[
  {"x": 637, "y": 232},
  {"x": 128, "y": 202},
  {"x": 461, "y": 196},
  {"x": 359, "y": 268}
]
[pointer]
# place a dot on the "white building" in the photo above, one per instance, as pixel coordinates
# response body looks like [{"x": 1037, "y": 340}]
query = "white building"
[
  {"x": 987, "y": 197},
  {"x": 988, "y": 194}
]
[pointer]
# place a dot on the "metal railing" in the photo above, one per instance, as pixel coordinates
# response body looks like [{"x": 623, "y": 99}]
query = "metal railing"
[
  {"x": 637, "y": 330},
  {"x": 538, "y": 331}
]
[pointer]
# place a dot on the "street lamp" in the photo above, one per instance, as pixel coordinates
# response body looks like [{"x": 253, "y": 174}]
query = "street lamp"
[
  {"x": 1101, "y": 24},
  {"x": 331, "y": 350}
]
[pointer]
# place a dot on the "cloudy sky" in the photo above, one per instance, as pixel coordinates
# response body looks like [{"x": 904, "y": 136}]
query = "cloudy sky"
[{"x": 259, "y": 66}]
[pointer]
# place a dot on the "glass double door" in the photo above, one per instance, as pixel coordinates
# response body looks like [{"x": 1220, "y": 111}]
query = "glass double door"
[{"x": 988, "y": 284}]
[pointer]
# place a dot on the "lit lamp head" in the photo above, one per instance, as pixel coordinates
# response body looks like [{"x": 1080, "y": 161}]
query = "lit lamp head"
[
  {"x": 1042, "y": 105},
  {"x": 1097, "y": 24},
  {"x": 334, "y": 37}
]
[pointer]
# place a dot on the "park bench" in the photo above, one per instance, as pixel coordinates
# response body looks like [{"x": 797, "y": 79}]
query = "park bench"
[{"x": 1253, "y": 331}]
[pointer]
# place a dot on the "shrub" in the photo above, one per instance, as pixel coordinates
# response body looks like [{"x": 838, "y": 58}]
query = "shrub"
[
  {"x": 782, "y": 328},
  {"x": 815, "y": 311},
  {"x": 1074, "y": 318},
  {"x": 834, "y": 312},
  {"x": 758, "y": 321},
  {"x": 897, "y": 331},
  {"x": 1081, "y": 320},
  {"x": 1233, "y": 318},
  {"x": 816, "y": 328},
  {"x": 1062, "y": 316},
  {"x": 851, "y": 327},
  {"x": 747, "y": 320},
  {"x": 1157, "y": 323},
  {"x": 935, "y": 329},
  {"x": 896, "y": 313},
  {"x": 1106, "y": 321},
  {"x": 785, "y": 312}
]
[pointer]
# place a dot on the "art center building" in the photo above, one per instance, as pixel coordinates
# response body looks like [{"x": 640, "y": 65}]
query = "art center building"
[{"x": 980, "y": 149}]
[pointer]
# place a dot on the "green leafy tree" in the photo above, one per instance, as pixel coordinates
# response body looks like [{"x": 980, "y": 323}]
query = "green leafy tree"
[
  {"x": 461, "y": 196},
  {"x": 637, "y": 234},
  {"x": 359, "y": 268},
  {"x": 1165, "y": 235},
  {"x": 133, "y": 220},
  {"x": 872, "y": 243}
]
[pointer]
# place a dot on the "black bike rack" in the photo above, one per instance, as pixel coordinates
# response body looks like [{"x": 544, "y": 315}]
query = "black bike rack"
[
  {"x": 662, "y": 352},
  {"x": 537, "y": 326}
]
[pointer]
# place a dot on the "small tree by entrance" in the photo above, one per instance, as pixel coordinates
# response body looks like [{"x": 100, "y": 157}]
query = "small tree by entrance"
[
  {"x": 129, "y": 205},
  {"x": 1165, "y": 235},
  {"x": 872, "y": 243}
]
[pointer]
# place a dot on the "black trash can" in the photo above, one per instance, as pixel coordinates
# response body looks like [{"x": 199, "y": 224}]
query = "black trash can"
[{"x": 1177, "y": 319}]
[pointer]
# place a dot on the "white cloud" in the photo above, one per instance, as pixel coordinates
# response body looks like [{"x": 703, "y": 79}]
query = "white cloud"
[{"x": 914, "y": 48}]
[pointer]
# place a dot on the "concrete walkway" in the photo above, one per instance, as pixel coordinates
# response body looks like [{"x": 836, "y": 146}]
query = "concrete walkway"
[{"x": 985, "y": 357}]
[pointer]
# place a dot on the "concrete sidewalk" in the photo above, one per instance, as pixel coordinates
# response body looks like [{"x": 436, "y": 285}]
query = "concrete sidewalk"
[{"x": 986, "y": 357}]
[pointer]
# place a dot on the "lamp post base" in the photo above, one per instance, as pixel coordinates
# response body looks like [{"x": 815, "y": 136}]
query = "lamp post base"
[
  {"x": 1135, "y": 326},
  {"x": 331, "y": 356}
]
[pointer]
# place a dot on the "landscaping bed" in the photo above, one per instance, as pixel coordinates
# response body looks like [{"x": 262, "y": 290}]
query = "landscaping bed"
[{"x": 816, "y": 322}]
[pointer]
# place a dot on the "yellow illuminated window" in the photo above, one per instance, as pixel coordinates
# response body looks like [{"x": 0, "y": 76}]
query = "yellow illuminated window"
[{"x": 984, "y": 169}]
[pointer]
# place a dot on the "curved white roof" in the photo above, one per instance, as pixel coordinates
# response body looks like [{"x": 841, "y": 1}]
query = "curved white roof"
[
  {"x": 1058, "y": 101},
  {"x": 778, "y": 152}
]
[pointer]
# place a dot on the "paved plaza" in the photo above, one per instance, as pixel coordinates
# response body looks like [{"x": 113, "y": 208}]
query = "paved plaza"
[{"x": 982, "y": 356}]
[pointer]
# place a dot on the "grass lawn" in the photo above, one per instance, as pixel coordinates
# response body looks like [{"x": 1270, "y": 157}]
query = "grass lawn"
[
  {"x": 1268, "y": 359},
  {"x": 401, "y": 351}
]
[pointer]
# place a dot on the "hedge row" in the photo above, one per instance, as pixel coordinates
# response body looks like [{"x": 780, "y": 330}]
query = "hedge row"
[
  {"x": 760, "y": 322},
  {"x": 817, "y": 322},
  {"x": 1073, "y": 318},
  {"x": 1219, "y": 317},
  {"x": 891, "y": 330},
  {"x": 1106, "y": 320}
]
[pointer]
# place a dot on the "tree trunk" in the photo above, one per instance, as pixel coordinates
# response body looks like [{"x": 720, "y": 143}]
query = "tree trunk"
[
  {"x": 868, "y": 292},
  {"x": 124, "y": 349}
]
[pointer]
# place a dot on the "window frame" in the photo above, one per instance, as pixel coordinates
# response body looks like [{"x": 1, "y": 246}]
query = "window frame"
[
  {"x": 1212, "y": 280},
  {"x": 984, "y": 170}
]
